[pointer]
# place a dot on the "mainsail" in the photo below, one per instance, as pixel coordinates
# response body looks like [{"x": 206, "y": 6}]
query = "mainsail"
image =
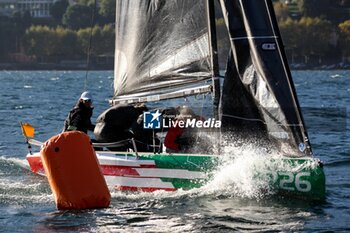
[
  {"x": 162, "y": 47},
  {"x": 258, "y": 89}
]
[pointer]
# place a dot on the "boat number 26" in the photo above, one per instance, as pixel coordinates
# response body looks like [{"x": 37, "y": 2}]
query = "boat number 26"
[{"x": 290, "y": 182}]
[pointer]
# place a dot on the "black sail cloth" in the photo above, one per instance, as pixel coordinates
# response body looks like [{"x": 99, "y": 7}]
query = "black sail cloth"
[
  {"x": 258, "y": 90},
  {"x": 163, "y": 47}
]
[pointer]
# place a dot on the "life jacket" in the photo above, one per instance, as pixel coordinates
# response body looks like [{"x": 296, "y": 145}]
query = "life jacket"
[{"x": 79, "y": 118}]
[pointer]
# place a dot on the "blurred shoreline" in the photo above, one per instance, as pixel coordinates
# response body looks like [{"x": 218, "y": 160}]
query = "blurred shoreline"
[
  {"x": 110, "y": 66},
  {"x": 54, "y": 66}
]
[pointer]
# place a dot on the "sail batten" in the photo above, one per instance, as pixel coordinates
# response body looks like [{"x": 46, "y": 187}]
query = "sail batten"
[
  {"x": 253, "y": 37},
  {"x": 164, "y": 95}
]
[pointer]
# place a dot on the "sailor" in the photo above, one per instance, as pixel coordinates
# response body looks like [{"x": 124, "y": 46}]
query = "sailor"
[
  {"x": 79, "y": 118},
  {"x": 114, "y": 124},
  {"x": 181, "y": 139}
]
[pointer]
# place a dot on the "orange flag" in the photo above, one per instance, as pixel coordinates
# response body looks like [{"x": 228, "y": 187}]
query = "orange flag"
[{"x": 27, "y": 130}]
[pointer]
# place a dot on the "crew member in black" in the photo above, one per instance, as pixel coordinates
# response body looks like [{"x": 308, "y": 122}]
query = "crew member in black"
[
  {"x": 79, "y": 118},
  {"x": 114, "y": 124}
]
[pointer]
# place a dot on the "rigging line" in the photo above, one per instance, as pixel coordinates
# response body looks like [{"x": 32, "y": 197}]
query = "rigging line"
[
  {"x": 243, "y": 118},
  {"x": 202, "y": 105},
  {"x": 259, "y": 120},
  {"x": 90, "y": 44}
]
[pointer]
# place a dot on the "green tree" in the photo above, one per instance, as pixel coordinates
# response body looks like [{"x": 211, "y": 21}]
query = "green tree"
[
  {"x": 86, "y": 2},
  {"x": 107, "y": 10},
  {"x": 291, "y": 33},
  {"x": 7, "y": 37},
  {"x": 108, "y": 38},
  {"x": 281, "y": 11},
  {"x": 39, "y": 41},
  {"x": 77, "y": 16},
  {"x": 315, "y": 36},
  {"x": 344, "y": 29},
  {"x": 307, "y": 37},
  {"x": 21, "y": 22},
  {"x": 102, "y": 40},
  {"x": 11, "y": 31},
  {"x": 67, "y": 44},
  {"x": 84, "y": 39},
  {"x": 58, "y": 9},
  {"x": 344, "y": 3},
  {"x": 314, "y": 8},
  {"x": 49, "y": 44},
  {"x": 54, "y": 44}
]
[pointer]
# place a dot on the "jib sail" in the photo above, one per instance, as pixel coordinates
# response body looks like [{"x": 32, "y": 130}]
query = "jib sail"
[{"x": 258, "y": 91}]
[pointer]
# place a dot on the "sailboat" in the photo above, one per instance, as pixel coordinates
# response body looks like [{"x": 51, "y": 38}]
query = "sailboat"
[{"x": 167, "y": 50}]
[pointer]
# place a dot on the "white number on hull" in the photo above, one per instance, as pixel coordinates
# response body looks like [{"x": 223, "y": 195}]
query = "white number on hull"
[
  {"x": 300, "y": 184},
  {"x": 286, "y": 183}
]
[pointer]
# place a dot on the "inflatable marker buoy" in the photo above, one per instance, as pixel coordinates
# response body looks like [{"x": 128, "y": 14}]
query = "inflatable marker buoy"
[{"x": 73, "y": 172}]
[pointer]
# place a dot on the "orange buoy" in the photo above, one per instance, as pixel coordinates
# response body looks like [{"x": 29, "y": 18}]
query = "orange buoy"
[{"x": 73, "y": 172}]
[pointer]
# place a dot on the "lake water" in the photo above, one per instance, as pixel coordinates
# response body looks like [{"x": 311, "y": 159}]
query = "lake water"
[{"x": 44, "y": 98}]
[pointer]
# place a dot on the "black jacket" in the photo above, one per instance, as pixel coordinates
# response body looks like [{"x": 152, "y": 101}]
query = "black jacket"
[
  {"x": 113, "y": 125},
  {"x": 79, "y": 119}
]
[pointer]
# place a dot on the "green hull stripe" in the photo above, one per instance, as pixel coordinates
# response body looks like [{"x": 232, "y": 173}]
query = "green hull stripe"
[
  {"x": 185, "y": 184},
  {"x": 303, "y": 177},
  {"x": 191, "y": 163}
]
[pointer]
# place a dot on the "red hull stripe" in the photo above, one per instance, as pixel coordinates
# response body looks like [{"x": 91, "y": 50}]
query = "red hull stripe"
[
  {"x": 35, "y": 164},
  {"x": 119, "y": 171},
  {"x": 142, "y": 189}
]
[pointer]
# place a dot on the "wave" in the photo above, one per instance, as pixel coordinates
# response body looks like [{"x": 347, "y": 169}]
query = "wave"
[
  {"x": 19, "y": 186},
  {"x": 12, "y": 165},
  {"x": 337, "y": 76},
  {"x": 338, "y": 163},
  {"x": 244, "y": 171}
]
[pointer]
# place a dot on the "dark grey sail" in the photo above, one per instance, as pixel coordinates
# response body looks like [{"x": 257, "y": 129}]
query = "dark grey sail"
[
  {"x": 258, "y": 91},
  {"x": 162, "y": 48}
]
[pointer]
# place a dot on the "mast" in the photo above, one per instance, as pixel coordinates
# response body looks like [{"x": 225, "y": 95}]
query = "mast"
[{"x": 214, "y": 56}]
